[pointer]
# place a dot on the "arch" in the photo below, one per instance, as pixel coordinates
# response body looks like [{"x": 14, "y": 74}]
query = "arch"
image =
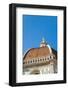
[{"x": 49, "y": 48}]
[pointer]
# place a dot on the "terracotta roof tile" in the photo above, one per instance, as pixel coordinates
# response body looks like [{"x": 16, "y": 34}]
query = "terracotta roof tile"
[{"x": 37, "y": 52}]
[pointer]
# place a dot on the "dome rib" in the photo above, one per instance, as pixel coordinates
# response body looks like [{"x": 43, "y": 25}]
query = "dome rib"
[{"x": 37, "y": 52}]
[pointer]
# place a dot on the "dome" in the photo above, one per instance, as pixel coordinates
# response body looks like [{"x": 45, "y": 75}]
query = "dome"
[
  {"x": 43, "y": 51},
  {"x": 37, "y": 52}
]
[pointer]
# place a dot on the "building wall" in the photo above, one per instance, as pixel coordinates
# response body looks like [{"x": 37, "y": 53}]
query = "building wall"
[{"x": 45, "y": 69}]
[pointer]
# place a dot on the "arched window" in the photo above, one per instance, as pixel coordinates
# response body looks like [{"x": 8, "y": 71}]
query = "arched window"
[
  {"x": 54, "y": 57},
  {"x": 50, "y": 57},
  {"x": 38, "y": 60},
  {"x": 31, "y": 61}
]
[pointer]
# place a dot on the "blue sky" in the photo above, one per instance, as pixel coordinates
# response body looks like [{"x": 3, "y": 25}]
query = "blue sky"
[{"x": 37, "y": 27}]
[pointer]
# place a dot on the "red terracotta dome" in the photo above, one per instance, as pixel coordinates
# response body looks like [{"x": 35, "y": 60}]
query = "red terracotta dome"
[
  {"x": 43, "y": 51},
  {"x": 37, "y": 52}
]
